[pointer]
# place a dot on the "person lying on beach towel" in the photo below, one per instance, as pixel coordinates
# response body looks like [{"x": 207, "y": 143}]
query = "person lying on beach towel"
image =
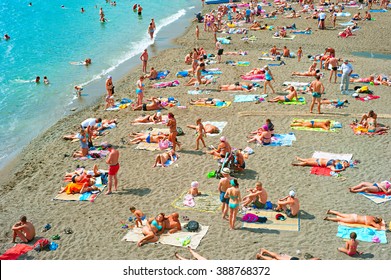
[
  {"x": 164, "y": 157},
  {"x": 255, "y": 26},
  {"x": 237, "y": 87},
  {"x": 312, "y": 71},
  {"x": 369, "y": 79},
  {"x": 155, "y": 104},
  {"x": 209, "y": 128},
  {"x": 292, "y": 94},
  {"x": 147, "y": 137},
  {"x": 205, "y": 80},
  {"x": 239, "y": 52},
  {"x": 193, "y": 253},
  {"x": 80, "y": 174},
  {"x": 151, "y": 231},
  {"x": 262, "y": 138},
  {"x": 86, "y": 185},
  {"x": 338, "y": 103},
  {"x": 96, "y": 130},
  {"x": 346, "y": 33},
  {"x": 155, "y": 118},
  {"x": 208, "y": 101},
  {"x": 255, "y": 71},
  {"x": 384, "y": 186},
  {"x": 312, "y": 124},
  {"x": 267, "y": 255},
  {"x": 334, "y": 164},
  {"x": 371, "y": 221}
]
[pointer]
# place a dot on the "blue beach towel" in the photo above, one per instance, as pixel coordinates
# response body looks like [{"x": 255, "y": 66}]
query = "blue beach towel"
[
  {"x": 279, "y": 140},
  {"x": 224, "y": 41},
  {"x": 378, "y": 11},
  {"x": 245, "y": 97},
  {"x": 161, "y": 75},
  {"x": 211, "y": 72},
  {"x": 352, "y": 75},
  {"x": 182, "y": 74},
  {"x": 363, "y": 234}
]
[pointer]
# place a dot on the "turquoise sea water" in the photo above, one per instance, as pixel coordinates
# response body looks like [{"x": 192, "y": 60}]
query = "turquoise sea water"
[{"x": 45, "y": 38}]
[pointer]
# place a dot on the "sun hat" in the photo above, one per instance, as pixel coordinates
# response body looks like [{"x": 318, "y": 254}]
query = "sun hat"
[
  {"x": 265, "y": 127},
  {"x": 225, "y": 170},
  {"x": 292, "y": 193},
  {"x": 266, "y": 66},
  {"x": 223, "y": 139},
  {"x": 195, "y": 184},
  {"x": 109, "y": 77}
]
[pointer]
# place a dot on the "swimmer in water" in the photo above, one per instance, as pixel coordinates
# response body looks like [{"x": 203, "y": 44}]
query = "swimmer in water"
[
  {"x": 46, "y": 80},
  {"x": 38, "y": 79},
  {"x": 6, "y": 37}
]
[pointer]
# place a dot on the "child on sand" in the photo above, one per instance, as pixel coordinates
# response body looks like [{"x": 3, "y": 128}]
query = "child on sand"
[
  {"x": 138, "y": 215},
  {"x": 194, "y": 189},
  {"x": 351, "y": 246},
  {"x": 200, "y": 134}
]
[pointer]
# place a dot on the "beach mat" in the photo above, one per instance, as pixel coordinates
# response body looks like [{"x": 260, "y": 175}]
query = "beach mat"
[
  {"x": 332, "y": 129},
  {"x": 296, "y": 84},
  {"x": 245, "y": 97},
  {"x": 206, "y": 202},
  {"x": 219, "y": 125},
  {"x": 227, "y": 104},
  {"x": 147, "y": 146},
  {"x": 326, "y": 155},
  {"x": 368, "y": 97},
  {"x": 176, "y": 239},
  {"x": 320, "y": 171},
  {"x": 266, "y": 58},
  {"x": 300, "y": 101},
  {"x": 377, "y": 198},
  {"x": 290, "y": 224},
  {"x": 364, "y": 234},
  {"x": 280, "y": 140},
  {"x": 288, "y": 37},
  {"x": 87, "y": 196}
]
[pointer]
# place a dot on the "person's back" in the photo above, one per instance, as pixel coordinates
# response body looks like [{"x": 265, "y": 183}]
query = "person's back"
[
  {"x": 266, "y": 137},
  {"x": 224, "y": 183},
  {"x": 294, "y": 205}
]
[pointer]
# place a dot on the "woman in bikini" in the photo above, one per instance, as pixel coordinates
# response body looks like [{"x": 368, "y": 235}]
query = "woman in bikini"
[
  {"x": 313, "y": 124},
  {"x": 233, "y": 193},
  {"x": 155, "y": 118},
  {"x": 164, "y": 157},
  {"x": 237, "y": 87},
  {"x": 372, "y": 221},
  {"x": 154, "y": 227},
  {"x": 149, "y": 138},
  {"x": 263, "y": 137},
  {"x": 334, "y": 164},
  {"x": 384, "y": 186},
  {"x": 372, "y": 126}
]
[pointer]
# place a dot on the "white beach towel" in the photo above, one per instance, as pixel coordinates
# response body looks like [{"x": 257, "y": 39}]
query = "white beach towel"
[
  {"x": 219, "y": 125},
  {"x": 326, "y": 155}
]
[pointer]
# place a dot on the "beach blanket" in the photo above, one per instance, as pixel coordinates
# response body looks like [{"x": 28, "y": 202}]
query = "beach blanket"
[
  {"x": 296, "y": 84},
  {"x": 326, "y": 155},
  {"x": 368, "y": 97},
  {"x": 166, "y": 84},
  {"x": 279, "y": 140},
  {"x": 290, "y": 224},
  {"x": 224, "y": 41},
  {"x": 245, "y": 98},
  {"x": 377, "y": 197},
  {"x": 302, "y": 32},
  {"x": 378, "y": 11},
  {"x": 169, "y": 162},
  {"x": 347, "y": 23},
  {"x": 164, "y": 121},
  {"x": 181, "y": 238},
  {"x": 358, "y": 129},
  {"x": 344, "y": 14},
  {"x": 354, "y": 75},
  {"x": 15, "y": 252},
  {"x": 320, "y": 171},
  {"x": 332, "y": 128},
  {"x": 211, "y": 72},
  {"x": 219, "y": 125},
  {"x": 300, "y": 101},
  {"x": 226, "y": 104},
  {"x": 124, "y": 103},
  {"x": 87, "y": 196},
  {"x": 161, "y": 75},
  {"x": 287, "y": 37},
  {"x": 182, "y": 74},
  {"x": 265, "y": 58},
  {"x": 147, "y": 146},
  {"x": 206, "y": 202},
  {"x": 365, "y": 234},
  {"x": 94, "y": 154},
  {"x": 200, "y": 91}
]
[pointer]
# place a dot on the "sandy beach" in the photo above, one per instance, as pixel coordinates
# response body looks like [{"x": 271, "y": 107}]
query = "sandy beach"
[{"x": 30, "y": 183}]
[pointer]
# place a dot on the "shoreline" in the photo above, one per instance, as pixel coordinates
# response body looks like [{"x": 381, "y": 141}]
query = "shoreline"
[{"x": 97, "y": 228}]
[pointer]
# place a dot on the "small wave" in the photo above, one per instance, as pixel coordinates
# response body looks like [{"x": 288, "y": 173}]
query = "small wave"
[
  {"x": 190, "y": 8},
  {"x": 21, "y": 81},
  {"x": 137, "y": 48}
]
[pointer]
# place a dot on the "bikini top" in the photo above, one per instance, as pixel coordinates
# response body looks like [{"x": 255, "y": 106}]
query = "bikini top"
[
  {"x": 155, "y": 224},
  {"x": 387, "y": 183}
]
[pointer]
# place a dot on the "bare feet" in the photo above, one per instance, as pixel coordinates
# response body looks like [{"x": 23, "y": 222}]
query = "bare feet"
[
  {"x": 176, "y": 255},
  {"x": 107, "y": 193},
  {"x": 326, "y": 218},
  {"x": 328, "y": 212},
  {"x": 140, "y": 243}
]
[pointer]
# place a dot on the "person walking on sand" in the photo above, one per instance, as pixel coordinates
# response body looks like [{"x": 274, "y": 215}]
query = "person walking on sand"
[
  {"x": 24, "y": 230},
  {"x": 299, "y": 54},
  {"x": 223, "y": 186},
  {"x": 346, "y": 70},
  {"x": 144, "y": 59},
  {"x": 200, "y": 132},
  {"x": 109, "y": 86},
  {"x": 268, "y": 79},
  {"x": 317, "y": 89},
  {"x": 220, "y": 50},
  {"x": 334, "y": 67},
  {"x": 197, "y": 32},
  {"x": 351, "y": 246},
  {"x": 112, "y": 161},
  {"x": 173, "y": 130}
]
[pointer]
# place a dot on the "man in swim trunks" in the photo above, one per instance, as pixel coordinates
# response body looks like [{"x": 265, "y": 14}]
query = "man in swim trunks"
[
  {"x": 112, "y": 161},
  {"x": 152, "y": 74},
  {"x": 286, "y": 98},
  {"x": 144, "y": 59},
  {"x": 109, "y": 86},
  {"x": 317, "y": 89},
  {"x": 155, "y": 104},
  {"x": 172, "y": 223},
  {"x": 224, "y": 184},
  {"x": 334, "y": 66},
  {"x": 257, "y": 196},
  {"x": 24, "y": 230},
  {"x": 289, "y": 204}
]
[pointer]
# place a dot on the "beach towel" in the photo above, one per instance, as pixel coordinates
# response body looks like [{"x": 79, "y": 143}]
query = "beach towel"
[
  {"x": 216, "y": 71},
  {"x": 169, "y": 162},
  {"x": 378, "y": 11},
  {"x": 377, "y": 197},
  {"x": 246, "y": 98},
  {"x": 287, "y": 37},
  {"x": 368, "y": 97},
  {"x": 219, "y": 125},
  {"x": 296, "y": 84},
  {"x": 302, "y": 32},
  {"x": 226, "y": 104},
  {"x": 358, "y": 129},
  {"x": 147, "y": 146},
  {"x": 15, "y": 252},
  {"x": 354, "y": 75},
  {"x": 279, "y": 140},
  {"x": 124, "y": 103},
  {"x": 265, "y": 58},
  {"x": 290, "y": 224},
  {"x": 256, "y": 77},
  {"x": 166, "y": 84},
  {"x": 182, "y": 74},
  {"x": 347, "y": 23},
  {"x": 87, "y": 196},
  {"x": 300, "y": 101},
  {"x": 344, "y": 14},
  {"x": 94, "y": 154},
  {"x": 183, "y": 238},
  {"x": 365, "y": 234},
  {"x": 326, "y": 155},
  {"x": 224, "y": 41},
  {"x": 321, "y": 171},
  {"x": 206, "y": 202},
  {"x": 164, "y": 121},
  {"x": 200, "y": 91},
  {"x": 161, "y": 75},
  {"x": 332, "y": 128}
]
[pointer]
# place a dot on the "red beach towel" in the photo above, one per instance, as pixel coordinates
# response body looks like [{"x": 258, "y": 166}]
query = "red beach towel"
[
  {"x": 15, "y": 252},
  {"x": 321, "y": 171},
  {"x": 368, "y": 97}
]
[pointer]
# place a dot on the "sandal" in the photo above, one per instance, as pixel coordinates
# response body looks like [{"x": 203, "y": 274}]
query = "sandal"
[
  {"x": 185, "y": 218},
  {"x": 56, "y": 237},
  {"x": 46, "y": 227}
]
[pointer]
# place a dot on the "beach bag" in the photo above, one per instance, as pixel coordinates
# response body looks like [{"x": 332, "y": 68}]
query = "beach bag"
[
  {"x": 164, "y": 144},
  {"x": 250, "y": 218},
  {"x": 193, "y": 226},
  {"x": 41, "y": 244},
  {"x": 179, "y": 131}
]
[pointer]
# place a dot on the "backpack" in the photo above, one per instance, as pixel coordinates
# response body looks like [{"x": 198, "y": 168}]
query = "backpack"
[
  {"x": 41, "y": 244},
  {"x": 193, "y": 226}
]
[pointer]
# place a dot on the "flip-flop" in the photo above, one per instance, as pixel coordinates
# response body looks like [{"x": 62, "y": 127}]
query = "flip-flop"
[
  {"x": 56, "y": 237},
  {"x": 46, "y": 227}
]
